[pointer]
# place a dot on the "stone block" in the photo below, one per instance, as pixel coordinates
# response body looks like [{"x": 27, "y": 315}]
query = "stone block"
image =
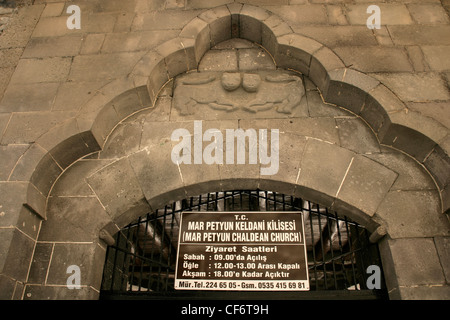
[
  {"x": 55, "y": 27},
  {"x": 400, "y": 137},
  {"x": 159, "y": 189},
  {"x": 322, "y": 62},
  {"x": 70, "y": 184},
  {"x": 291, "y": 149},
  {"x": 53, "y": 47},
  {"x": 117, "y": 188},
  {"x": 16, "y": 251},
  {"x": 220, "y": 24},
  {"x": 135, "y": 41},
  {"x": 434, "y": 110},
  {"x": 443, "y": 250},
  {"x": 413, "y": 214},
  {"x": 296, "y": 15},
  {"x": 392, "y": 14},
  {"x": 249, "y": 27},
  {"x": 219, "y": 60},
  {"x": 27, "y": 127},
  {"x": 322, "y": 129},
  {"x": 41, "y": 260},
  {"x": 92, "y": 43},
  {"x": 103, "y": 66},
  {"x": 10, "y": 57},
  {"x": 366, "y": 184},
  {"x": 71, "y": 96},
  {"x": 66, "y": 144},
  {"x": 35, "y": 160},
  {"x": 21, "y": 27},
  {"x": 177, "y": 57},
  {"x": 429, "y": 13},
  {"x": 8, "y": 286},
  {"x": 411, "y": 176},
  {"x": 375, "y": 58},
  {"x": 33, "y": 210},
  {"x": 87, "y": 256},
  {"x": 416, "y": 262},
  {"x": 323, "y": 168},
  {"x": 13, "y": 196},
  {"x": 379, "y": 102},
  {"x": 425, "y": 293},
  {"x": 295, "y": 51},
  {"x": 202, "y": 4},
  {"x": 355, "y": 135},
  {"x": 415, "y": 86},
  {"x": 153, "y": 65},
  {"x": 438, "y": 163},
  {"x": 318, "y": 108},
  {"x": 420, "y": 34},
  {"x": 338, "y": 36},
  {"x": 29, "y": 97},
  {"x": 73, "y": 219},
  {"x": 9, "y": 155},
  {"x": 437, "y": 57},
  {"x": 254, "y": 59},
  {"x": 54, "y": 69},
  {"x": 348, "y": 88},
  {"x": 163, "y": 20},
  {"x": 125, "y": 139}
]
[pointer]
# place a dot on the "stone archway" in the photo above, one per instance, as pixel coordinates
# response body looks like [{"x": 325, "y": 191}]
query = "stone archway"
[{"x": 361, "y": 185}]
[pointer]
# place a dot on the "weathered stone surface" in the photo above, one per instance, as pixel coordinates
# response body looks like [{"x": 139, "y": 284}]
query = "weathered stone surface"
[
  {"x": 413, "y": 214},
  {"x": 355, "y": 135},
  {"x": 393, "y": 14},
  {"x": 29, "y": 97},
  {"x": 73, "y": 219},
  {"x": 16, "y": 249},
  {"x": 117, "y": 188},
  {"x": 41, "y": 260},
  {"x": 366, "y": 184},
  {"x": 411, "y": 175},
  {"x": 219, "y": 60},
  {"x": 159, "y": 189},
  {"x": 339, "y": 36},
  {"x": 420, "y": 34},
  {"x": 103, "y": 67},
  {"x": 70, "y": 184},
  {"x": 124, "y": 45},
  {"x": 422, "y": 253},
  {"x": 375, "y": 58},
  {"x": 323, "y": 168},
  {"x": 53, "y": 47},
  {"x": 87, "y": 256},
  {"x": 416, "y": 87}
]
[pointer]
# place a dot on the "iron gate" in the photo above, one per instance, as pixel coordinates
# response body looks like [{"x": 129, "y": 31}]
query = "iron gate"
[{"x": 141, "y": 263}]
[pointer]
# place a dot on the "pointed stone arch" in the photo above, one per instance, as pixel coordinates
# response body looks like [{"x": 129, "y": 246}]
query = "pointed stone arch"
[
  {"x": 55, "y": 152},
  {"x": 361, "y": 94}
]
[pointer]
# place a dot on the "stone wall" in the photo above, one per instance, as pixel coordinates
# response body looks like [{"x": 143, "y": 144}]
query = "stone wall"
[{"x": 85, "y": 127}]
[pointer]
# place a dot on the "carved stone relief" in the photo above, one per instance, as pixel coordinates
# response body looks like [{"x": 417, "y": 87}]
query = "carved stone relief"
[{"x": 280, "y": 91}]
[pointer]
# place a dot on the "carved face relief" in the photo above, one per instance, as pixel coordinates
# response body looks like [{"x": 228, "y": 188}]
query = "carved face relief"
[
  {"x": 251, "y": 82},
  {"x": 231, "y": 81}
]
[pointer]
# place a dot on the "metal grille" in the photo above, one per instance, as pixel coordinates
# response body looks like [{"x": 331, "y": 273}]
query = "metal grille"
[{"x": 144, "y": 255}]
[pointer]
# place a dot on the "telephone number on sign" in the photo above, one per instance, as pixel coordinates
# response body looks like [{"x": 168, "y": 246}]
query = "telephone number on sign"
[{"x": 253, "y": 285}]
